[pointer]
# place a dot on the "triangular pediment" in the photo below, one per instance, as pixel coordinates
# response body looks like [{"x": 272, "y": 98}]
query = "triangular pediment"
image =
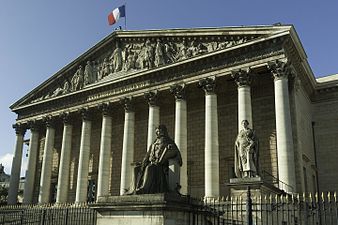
[{"x": 126, "y": 52}]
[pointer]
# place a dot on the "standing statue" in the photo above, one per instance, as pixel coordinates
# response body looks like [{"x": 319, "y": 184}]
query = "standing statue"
[
  {"x": 105, "y": 68},
  {"x": 153, "y": 175},
  {"x": 246, "y": 152},
  {"x": 116, "y": 59}
]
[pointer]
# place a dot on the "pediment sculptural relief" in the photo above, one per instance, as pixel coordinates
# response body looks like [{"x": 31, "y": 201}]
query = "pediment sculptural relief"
[{"x": 125, "y": 57}]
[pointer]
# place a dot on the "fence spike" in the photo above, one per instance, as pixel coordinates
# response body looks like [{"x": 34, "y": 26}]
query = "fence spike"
[
  {"x": 335, "y": 196},
  {"x": 316, "y": 197},
  {"x": 329, "y": 196},
  {"x": 323, "y": 198},
  {"x": 227, "y": 198},
  {"x": 310, "y": 197}
]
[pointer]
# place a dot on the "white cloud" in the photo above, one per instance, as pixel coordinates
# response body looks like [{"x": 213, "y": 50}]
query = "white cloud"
[{"x": 6, "y": 161}]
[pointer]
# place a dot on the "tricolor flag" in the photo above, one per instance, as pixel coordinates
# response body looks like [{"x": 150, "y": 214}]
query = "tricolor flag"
[{"x": 115, "y": 15}]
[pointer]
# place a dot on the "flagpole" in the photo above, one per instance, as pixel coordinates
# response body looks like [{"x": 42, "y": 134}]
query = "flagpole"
[{"x": 125, "y": 15}]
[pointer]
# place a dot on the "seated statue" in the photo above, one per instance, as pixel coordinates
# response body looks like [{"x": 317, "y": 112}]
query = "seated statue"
[{"x": 153, "y": 173}]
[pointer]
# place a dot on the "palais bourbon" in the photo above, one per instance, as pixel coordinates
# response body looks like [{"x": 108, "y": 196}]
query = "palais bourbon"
[{"x": 94, "y": 120}]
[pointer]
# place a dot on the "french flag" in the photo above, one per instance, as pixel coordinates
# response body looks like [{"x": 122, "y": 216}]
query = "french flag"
[{"x": 115, "y": 15}]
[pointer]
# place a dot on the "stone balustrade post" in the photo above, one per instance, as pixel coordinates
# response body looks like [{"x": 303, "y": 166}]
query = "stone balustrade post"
[{"x": 14, "y": 181}]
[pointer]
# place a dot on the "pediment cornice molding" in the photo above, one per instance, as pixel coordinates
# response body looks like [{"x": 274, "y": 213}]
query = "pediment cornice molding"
[{"x": 190, "y": 70}]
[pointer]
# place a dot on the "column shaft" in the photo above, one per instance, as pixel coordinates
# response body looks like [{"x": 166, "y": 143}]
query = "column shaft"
[
  {"x": 153, "y": 122},
  {"x": 244, "y": 105},
  {"x": 46, "y": 170},
  {"x": 16, "y": 168},
  {"x": 211, "y": 147},
  {"x": 31, "y": 168},
  {"x": 64, "y": 168},
  {"x": 105, "y": 154},
  {"x": 127, "y": 151},
  {"x": 285, "y": 152},
  {"x": 181, "y": 141},
  {"x": 83, "y": 167}
]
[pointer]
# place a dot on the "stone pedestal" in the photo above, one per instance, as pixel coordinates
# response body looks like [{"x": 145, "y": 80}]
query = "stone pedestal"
[
  {"x": 258, "y": 187},
  {"x": 148, "y": 209}
]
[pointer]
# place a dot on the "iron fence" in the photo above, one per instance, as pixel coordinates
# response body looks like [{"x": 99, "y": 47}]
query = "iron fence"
[
  {"x": 310, "y": 209},
  {"x": 66, "y": 214}
]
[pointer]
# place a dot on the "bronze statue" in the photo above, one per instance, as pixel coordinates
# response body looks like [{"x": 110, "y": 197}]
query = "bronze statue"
[
  {"x": 246, "y": 152},
  {"x": 153, "y": 175}
]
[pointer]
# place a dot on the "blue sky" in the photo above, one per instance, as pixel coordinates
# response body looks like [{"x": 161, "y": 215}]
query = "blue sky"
[{"x": 39, "y": 37}]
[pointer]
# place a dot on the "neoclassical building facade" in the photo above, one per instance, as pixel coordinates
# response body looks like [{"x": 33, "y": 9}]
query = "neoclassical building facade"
[{"x": 91, "y": 121}]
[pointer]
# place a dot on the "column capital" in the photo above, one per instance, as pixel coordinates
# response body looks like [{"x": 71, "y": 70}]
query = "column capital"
[
  {"x": 279, "y": 69},
  {"x": 151, "y": 97},
  {"x": 105, "y": 108},
  {"x": 49, "y": 121},
  {"x": 178, "y": 90},
  {"x": 242, "y": 77},
  {"x": 127, "y": 104},
  {"x": 33, "y": 125},
  {"x": 20, "y": 129},
  {"x": 85, "y": 113},
  {"x": 208, "y": 85},
  {"x": 66, "y": 117}
]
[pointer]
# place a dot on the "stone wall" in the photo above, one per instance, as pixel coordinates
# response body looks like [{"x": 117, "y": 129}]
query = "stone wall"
[{"x": 326, "y": 133}]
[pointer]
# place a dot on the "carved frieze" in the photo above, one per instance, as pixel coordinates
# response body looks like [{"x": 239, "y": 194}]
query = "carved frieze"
[{"x": 128, "y": 56}]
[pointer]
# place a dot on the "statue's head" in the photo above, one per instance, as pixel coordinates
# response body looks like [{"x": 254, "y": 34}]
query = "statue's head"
[
  {"x": 161, "y": 131},
  {"x": 245, "y": 123}
]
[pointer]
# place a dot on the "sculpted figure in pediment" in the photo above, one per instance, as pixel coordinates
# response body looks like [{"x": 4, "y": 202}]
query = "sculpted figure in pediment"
[
  {"x": 116, "y": 58},
  {"x": 89, "y": 75},
  {"x": 170, "y": 52},
  {"x": 105, "y": 68},
  {"x": 131, "y": 59},
  {"x": 159, "y": 54},
  {"x": 77, "y": 79},
  {"x": 147, "y": 60},
  {"x": 182, "y": 51}
]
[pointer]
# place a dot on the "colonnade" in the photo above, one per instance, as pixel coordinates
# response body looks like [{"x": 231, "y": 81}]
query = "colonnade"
[{"x": 242, "y": 78}]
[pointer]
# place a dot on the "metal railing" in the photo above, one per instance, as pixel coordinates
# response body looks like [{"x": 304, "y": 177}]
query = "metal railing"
[
  {"x": 65, "y": 214},
  {"x": 306, "y": 209}
]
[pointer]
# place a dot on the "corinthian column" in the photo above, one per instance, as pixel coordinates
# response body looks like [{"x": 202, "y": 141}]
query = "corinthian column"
[
  {"x": 211, "y": 161},
  {"x": 128, "y": 145},
  {"x": 105, "y": 150},
  {"x": 46, "y": 170},
  {"x": 154, "y": 116},
  {"x": 66, "y": 149},
  {"x": 83, "y": 168},
  {"x": 31, "y": 168},
  {"x": 181, "y": 133},
  {"x": 243, "y": 81},
  {"x": 16, "y": 165},
  {"x": 285, "y": 151}
]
